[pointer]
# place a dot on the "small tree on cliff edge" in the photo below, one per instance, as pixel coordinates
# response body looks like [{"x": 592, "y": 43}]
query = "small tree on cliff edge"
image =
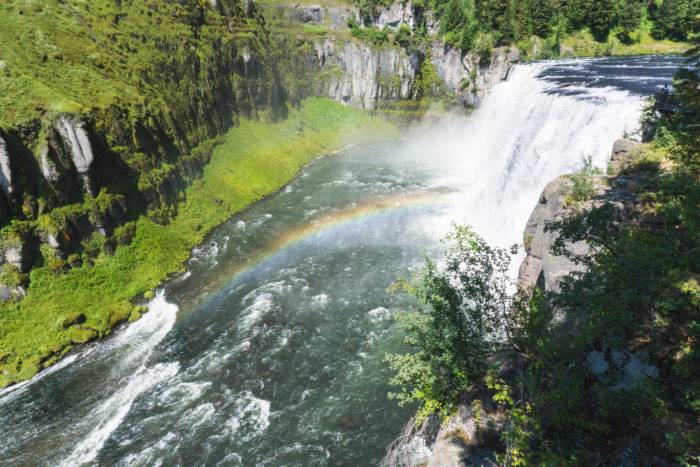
[{"x": 456, "y": 326}]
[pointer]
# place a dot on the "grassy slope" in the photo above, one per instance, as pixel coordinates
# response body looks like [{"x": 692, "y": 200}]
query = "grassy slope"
[
  {"x": 255, "y": 159},
  {"x": 71, "y": 56}
]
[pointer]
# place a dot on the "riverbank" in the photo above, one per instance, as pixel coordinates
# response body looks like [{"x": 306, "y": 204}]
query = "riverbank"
[{"x": 255, "y": 159}]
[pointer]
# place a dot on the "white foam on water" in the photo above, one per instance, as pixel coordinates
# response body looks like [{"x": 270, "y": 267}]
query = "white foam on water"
[
  {"x": 231, "y": 458},
  {"x": 151, "y": 455},
  {"x": 379, "y": 314},
  {"x": 251, "y": 417},
  {"x": 183, "y": 394},
  {"x": 320, "y": 300},
  {"x": 185, "y": 275},
  {"x": 140, "y": 338},
  {"x": 253, "y": 313},
  {"x": 110, "y": 414}
]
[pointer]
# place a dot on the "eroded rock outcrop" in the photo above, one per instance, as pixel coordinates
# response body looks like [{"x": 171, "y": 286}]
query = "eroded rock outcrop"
[
  {"x": 395, "y": 15},
  {"x": 471, "y": 436},
  {"x": 77, "y": 142},
  {"x": 5, "y": 171},
  {"x": 361, "y": 76},
  {"x": 471, "y": 77},
  {"x": 541, "y": 266},
  {"x": 335, "y": 17}
]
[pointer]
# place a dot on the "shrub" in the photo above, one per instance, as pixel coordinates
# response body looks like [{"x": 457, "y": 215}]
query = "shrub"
[
  {"x": 11, "y": 276},
  {"x": 428, "y": 81},
  {"x": 403, "y": 36},
  {"x": 455, "y": 326},
  {"x": 483, "y": 45},
  {"x": 582, "y": 187},
  {"x": 125, "y": 233},
  {"x": 316, "y": 29},
  {"x": 370, "y": 34}
]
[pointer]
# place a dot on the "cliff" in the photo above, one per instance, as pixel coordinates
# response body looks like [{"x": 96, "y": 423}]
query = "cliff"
[
  {"x": 104, "y": 122},
  {"x": 72, "y": 179},
  {"x": 473, "y": 435},
  {"x": 371, "y": 75},
  {"x": 112, "y": 113}
]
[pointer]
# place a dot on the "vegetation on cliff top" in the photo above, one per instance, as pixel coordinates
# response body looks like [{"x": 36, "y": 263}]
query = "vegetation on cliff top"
[
  {"x": 607, "y": 367},
  {"x": 576, "y": 27},
  {"x": 63, "y": 309}
]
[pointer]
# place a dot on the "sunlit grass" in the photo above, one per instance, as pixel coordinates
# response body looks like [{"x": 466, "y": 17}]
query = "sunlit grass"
[{"x": 254, "y": 160}]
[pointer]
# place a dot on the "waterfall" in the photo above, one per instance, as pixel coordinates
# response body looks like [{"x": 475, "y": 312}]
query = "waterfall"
[
  {"x": 276, "y": 356},
  {"x": 530, "y": 130}
]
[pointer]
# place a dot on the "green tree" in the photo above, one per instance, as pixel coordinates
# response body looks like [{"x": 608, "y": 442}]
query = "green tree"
[
  {"x": 495, "y": 16},
  {"x": 675, "y": 19},
  {"x": 456, "y": 326}
]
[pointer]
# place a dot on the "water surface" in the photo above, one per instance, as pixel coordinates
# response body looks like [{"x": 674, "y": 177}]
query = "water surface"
[{"x": 269, "y": 350}]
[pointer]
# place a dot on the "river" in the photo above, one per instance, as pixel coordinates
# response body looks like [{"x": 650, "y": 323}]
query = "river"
[{"x": 270, "y": 349}]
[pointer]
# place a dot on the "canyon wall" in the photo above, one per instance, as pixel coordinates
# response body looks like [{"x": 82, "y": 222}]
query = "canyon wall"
[
  {"x": 74, "y": 182},
  {"x": 366, "y": 75}
]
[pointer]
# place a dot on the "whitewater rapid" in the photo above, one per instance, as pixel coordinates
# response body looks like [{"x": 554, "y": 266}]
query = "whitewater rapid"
[{"x": 269, "y": 349}]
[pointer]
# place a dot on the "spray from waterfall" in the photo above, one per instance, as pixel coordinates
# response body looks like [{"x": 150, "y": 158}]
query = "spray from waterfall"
[{"x": 528, "y": 132}]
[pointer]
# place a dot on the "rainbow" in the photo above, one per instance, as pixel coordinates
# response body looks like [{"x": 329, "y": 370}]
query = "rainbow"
[{"x": 336, "y": 220}]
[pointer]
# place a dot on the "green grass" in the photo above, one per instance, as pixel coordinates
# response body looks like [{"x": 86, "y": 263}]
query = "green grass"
[
  {"x": 582, "y": 44},
  {"x": 315, "y": 29},
  {"x": 80, "y": 55},
  {"x": 254, "y": 160}
]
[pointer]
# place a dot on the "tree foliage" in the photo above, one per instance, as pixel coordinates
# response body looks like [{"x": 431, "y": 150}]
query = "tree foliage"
[
  {"x": 634, "y": 304},
  {"x": 457, "y": 325},
  {"x": 674, "y": 19}
]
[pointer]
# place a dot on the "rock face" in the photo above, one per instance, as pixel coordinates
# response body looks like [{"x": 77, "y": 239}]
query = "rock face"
[
  {"x": 5, "y": 172},
  {"x": 336, "y": 17},
  {"x": 76, "y": 141},
  {"x": 360, "y": 76},
  {"x": 461, "y": 439},
  {"x": 541, "y": 267},
  {"x": 395, "y": 15},
  {"x": 470, "y": 77},
  {"x": 363, "y": 75}
]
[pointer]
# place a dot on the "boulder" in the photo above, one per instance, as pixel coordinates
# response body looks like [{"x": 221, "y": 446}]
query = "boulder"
[
  {"x": 309, "y": 13},
  {"x": 621, "y": 369},
  {"x": 622, "y": 154}
]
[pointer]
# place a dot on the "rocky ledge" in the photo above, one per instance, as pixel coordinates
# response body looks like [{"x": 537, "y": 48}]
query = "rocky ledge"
[
  {"x": 471, "y": 436},
  {"x": 368, "y": 76}
]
